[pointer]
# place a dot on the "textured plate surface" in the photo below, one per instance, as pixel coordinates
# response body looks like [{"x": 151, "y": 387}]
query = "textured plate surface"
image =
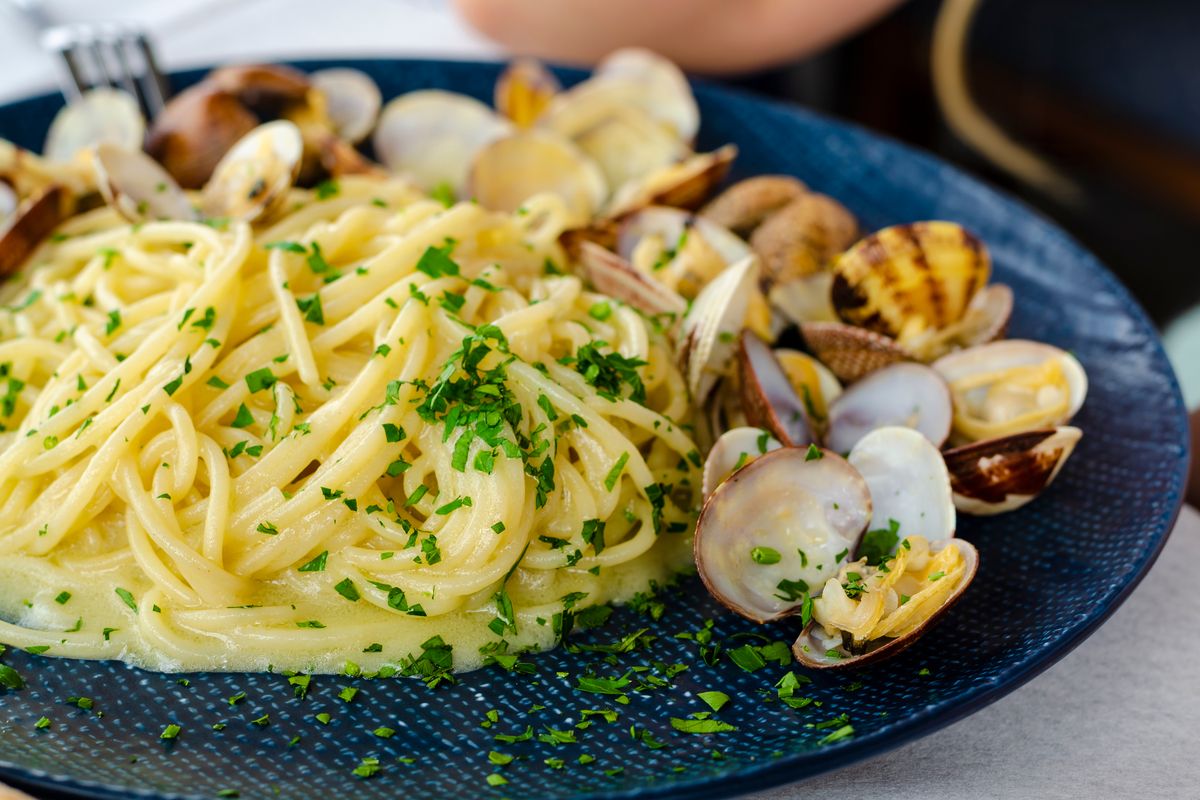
[{"x": 1049, "y": 574}]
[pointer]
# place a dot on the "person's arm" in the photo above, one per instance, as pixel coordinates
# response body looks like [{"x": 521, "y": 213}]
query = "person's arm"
[{"x": 713, "y": 36}]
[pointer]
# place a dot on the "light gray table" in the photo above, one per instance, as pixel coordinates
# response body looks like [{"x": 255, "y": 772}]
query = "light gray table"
[{"x": 1117, "y": 718}]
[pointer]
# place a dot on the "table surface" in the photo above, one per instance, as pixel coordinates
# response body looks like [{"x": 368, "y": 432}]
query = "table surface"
[{"x": 1118, "y": 717}]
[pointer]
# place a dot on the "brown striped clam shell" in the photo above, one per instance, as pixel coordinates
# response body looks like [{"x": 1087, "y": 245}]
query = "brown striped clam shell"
[
  {"x": 746, "y": 204},
  {"x": 850, "y": 352},
  {"x": 998, "y": 475}
]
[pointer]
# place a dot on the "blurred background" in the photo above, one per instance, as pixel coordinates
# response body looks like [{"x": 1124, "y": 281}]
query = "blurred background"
[{"x": 1102, "y": 96}]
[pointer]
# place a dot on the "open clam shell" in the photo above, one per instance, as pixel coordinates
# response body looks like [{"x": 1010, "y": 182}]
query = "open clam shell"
[
  {"x": 30, "y": 223},
  {"x": 195, "y": 130},
  {"x": 663, "y": 87},
  {"x": 138, "y": 187},
  {"x": 352, "y": 101},
  {"x": 252, "y": 180},
  {"x": 510, "y": 170},
  {"x": 524, "y": 90},
  {"x": 708, "y": 335},
  {"x": 777, "y": 527},
  {"x": 908, "y": 481},
  {"x": 817, "y": 386},
  {"x": 1010, "y": 386},
  {"x": 733, "y": 450},
  {"x": 806, "y": 299},
  {"x": 679, "y": 249},
  {"x": 999, "y": 475},
  {"x": 684, "y": 185},
  {"x": 743, "y": 206},
  {"x": 802, "y": 238},
  {"x": 850, "y": 352},
  {"x": 907, "y": 279},
  {"x": 628, "y": 144},
  {"x": 432, "y": 137},
  {"x": 910, "y": 395},
  {"x": 769, "y": 399},
  {"x": 612, "y": 275},
  {"x": 98, "y": 115},
  {"x": 817, "y": 650}
]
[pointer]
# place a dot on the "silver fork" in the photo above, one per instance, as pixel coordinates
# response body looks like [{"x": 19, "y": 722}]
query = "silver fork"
[{"x": 102, "y": 54}]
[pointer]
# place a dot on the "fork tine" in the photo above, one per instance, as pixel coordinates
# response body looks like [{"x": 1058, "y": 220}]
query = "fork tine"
[
  {"x": 154, "y": 82},
  {"x": 61, "y": 40},
  {"x": 102, "y": 72}
]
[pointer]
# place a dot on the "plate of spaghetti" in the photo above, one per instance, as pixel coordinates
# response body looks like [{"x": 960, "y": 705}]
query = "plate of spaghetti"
[{"x": 527, "y": 432}]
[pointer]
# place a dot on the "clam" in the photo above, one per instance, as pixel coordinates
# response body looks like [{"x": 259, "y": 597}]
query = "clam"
[
  {"x": 664, "y": 89},
  {"x": 907, "y": 394},
  {"x": 777, "y": 527},
  {"x": 867, "y": 614},
  {"x": 907, "y": 279},
  {"x": 432, "y": 136},
  {"x": 746, "y": 204},
  {"x": 612, "y": 275},
  {"x": 1003, "y": 474},
  {"x": 31, "y": 222},
  {"x": 352, "y": 101},
  {"x": 800, "y": 239},
  {"x": 849, "y": 352},
  {"x": 137, "y": 187},
  {"x": 195, "y": 130},
  {"x": 629, "y": 144},
  {"x": 909, "y": 483},
  {"x": 768, "y": 398},
  {"x": 812, "y": 380},
  {"x": 680, "y": 250},
  {"x": 805, "y": 299},
  {"x": 733, "y": 450},
  {"x": 708, "y": 335},
  {"x": 9, "y": 200},
  {"x": 1011, "y": 386},
  {"x": 510, "y": 170},
  {"x": 267, "y": 89},
  {"x": 252, "y": 180},
  {"x": 524, "y": 90},
  {"x": 684, "y": 185},
  {"x": 98, "y": 115},
  {"x": 909, "y": 568}
]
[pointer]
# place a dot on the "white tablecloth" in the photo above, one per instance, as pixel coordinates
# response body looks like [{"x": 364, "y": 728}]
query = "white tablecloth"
[{"x": 1117, "y": 718}]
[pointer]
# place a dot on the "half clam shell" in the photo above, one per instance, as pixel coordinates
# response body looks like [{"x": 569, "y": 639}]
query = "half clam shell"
[
  {"x": 432, "y": 136},
  {"x": 612, "y": 275},
  {"x": 138, "y": 187},
  {"x": 684, "y": 185},
  {"x": 911, "y": 395},
  {"x": 708, "y": 336},
  {"x": 908, "y": 481},
  {"x": 999, "y": 475},
  {"x": 743, "y": 206},
  {"x": 907, "y": 279},
  {"x": 1015, "y": 385},
  {"x": 817, "y": 650},
  {"x": 98, "y": 115},
  {"x": 32, "y": 221},
  {"x": 352, "y": 101},
  {"x": 524, "y": 90},
  {"x": 252, "y": 180},
  {"x": 510, "y": 170},
  {"x": 768, "y": 397},
  {"x": 733, "y": 450},
  {"x": 777, "y": 527},
  {"x": 850, "y": 352}
]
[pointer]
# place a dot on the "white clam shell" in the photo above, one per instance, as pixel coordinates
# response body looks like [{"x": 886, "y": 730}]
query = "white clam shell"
[
  {"x": 252, "y": 180},
  {"x": 912, "y": 395},
  {"x": 1010, "y": 353},
  {"x": 99, "y": 115},
  {"x": 735, "y": 448},
  {"x": 352, "y": 100},
  {"x": 792, "y": 503},
  {"x": 510, "y": 170},
  {"x": 908, "y": 481},
  {"x": 432, "y": 137},
  {"x": 138, "y": 187},
  {"x": 708, "y": 335}
]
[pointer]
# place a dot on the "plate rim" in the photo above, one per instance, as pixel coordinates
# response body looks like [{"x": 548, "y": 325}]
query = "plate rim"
[{"x": 778, "y": 772}]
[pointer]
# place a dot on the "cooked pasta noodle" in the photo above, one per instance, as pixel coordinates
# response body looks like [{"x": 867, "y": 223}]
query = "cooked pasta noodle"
[{"x": 374, "y": 422}]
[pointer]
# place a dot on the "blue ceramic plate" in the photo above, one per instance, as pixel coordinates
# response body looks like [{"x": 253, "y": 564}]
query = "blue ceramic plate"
[{"x": 1049, "y": 574}]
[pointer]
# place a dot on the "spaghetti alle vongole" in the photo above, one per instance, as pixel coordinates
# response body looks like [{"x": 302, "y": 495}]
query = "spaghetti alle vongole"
[{"x": 374, "y": 422}]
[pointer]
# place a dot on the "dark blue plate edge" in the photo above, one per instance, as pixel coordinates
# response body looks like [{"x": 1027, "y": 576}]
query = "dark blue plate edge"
[{"x": 779, "y": 772}]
